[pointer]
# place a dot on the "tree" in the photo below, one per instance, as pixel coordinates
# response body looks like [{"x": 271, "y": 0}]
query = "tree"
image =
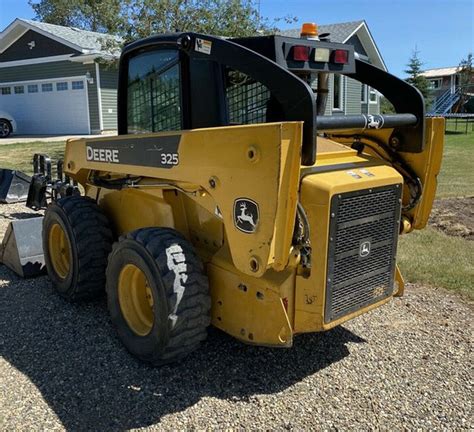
[
  {"x": 104, "y": 16},
  {"x": 132, "y": 19},
  {"x": 465, "y": 83},
  {"x": 414, "y": 70},
  {"x": 386, "y": 106}
]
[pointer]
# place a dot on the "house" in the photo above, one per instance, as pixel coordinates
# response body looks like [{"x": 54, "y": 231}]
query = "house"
[
  {"x": 346, "y": 95},
  {"x": 445, "y": 89},
  {"x": 52, "y": 79}
]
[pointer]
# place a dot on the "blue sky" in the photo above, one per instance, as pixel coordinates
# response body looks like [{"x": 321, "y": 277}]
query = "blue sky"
[{"x": 442, "y": 30}]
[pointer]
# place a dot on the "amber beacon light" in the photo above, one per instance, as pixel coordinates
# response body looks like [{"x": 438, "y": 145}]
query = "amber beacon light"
[{"x": 309, "y": 29}]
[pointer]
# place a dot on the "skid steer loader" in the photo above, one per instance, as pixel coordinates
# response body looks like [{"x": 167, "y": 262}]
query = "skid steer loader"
[{"x": 229, "y": 198}]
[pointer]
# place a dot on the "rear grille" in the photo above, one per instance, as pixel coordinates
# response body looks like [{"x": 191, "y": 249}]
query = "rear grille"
[{"x": 363, "y": 237}]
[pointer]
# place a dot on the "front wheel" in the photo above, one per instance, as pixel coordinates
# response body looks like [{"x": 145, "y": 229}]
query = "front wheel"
[
  {"x": 76, "y": 241},
  {"x": 5, "y": 128},
  {"x": 158, "y": 295}
]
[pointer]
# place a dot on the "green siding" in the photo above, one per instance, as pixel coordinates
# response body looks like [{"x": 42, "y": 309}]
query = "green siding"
[
  {"x": 329, "y": 101},
  {"x": 374, "y": 108},
  {"x": 353, "y": 91},
  {"x": 44, "y": 71},
  {"x": 108, "y": 90}
]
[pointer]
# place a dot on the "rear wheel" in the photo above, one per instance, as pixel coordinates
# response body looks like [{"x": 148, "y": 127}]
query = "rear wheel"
[
  {"x": 158, "y": 295},
  {"x": 76, "y": 243}
]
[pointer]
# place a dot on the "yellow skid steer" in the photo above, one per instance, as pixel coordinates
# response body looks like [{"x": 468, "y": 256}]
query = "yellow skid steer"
[{"x": 229, "y": 198}]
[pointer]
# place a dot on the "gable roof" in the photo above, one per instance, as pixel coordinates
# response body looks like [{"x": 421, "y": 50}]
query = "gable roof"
[
  {"x": 440, "y": 72},
  {"x": 86, "y": 42},
  {"x": 342, "y": 32}
]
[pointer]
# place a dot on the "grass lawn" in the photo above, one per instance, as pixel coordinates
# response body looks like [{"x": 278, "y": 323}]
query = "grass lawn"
[
  {"x": 434, "y": 258},
  {"x": 20, "y": 156},
  {"x": 428, "y": 256},
  {"x": 456, "y": 178}
]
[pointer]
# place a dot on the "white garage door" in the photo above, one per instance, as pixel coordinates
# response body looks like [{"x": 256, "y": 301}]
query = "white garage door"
[{"x": 57, "y": 106}]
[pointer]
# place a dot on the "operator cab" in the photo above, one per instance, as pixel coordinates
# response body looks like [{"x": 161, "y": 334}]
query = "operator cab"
[{"x": 188, "y": 81}]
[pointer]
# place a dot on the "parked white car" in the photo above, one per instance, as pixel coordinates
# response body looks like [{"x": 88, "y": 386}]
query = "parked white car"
[{"x": 7, "y": 124}]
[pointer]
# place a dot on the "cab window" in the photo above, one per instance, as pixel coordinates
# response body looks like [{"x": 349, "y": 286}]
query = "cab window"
[
  {"x": 153, "y": 92},
  {"x": 247, "y": 99}
]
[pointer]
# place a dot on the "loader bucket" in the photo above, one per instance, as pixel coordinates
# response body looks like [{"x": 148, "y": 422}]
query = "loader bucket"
[
  {"x": 22, "y": 248},
  {"x": 14, "y": 186}
]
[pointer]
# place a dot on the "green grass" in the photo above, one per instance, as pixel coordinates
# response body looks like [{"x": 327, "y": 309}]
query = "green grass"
[
  {"x": 434, "y": 258},
  {"x": 456, "y": 178},
  {"x": 19, "y": 156}
]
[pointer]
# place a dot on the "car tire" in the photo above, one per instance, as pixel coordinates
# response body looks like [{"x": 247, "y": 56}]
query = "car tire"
[{"x": 5, "y": 128}]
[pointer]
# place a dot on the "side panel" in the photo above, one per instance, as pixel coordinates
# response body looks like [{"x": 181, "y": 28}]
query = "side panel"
[{"x": 236, "y": 166}]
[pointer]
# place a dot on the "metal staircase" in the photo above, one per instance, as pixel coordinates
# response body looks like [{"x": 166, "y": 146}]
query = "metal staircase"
[{"x": 444, "y": 103}]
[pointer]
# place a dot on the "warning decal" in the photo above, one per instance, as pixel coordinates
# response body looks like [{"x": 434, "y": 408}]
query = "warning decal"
[{"x": 203, "y": 46}]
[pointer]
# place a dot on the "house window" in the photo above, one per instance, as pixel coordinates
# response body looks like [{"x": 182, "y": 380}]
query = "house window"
[
  {"x": 61, "y": 86},
  {"x": 373, "y": 96},
  {"x": 78, "y": 85},
  {"x": 363, "y": 94},
  {"x": 19, "y": 89},
  {"x": 6, "y": 90},
  {"x": 337, "y": 93},
  {"x": 435, "y": 84},
  {"x": 47, "y": 87},
  {"x": 33, "y": 88}
]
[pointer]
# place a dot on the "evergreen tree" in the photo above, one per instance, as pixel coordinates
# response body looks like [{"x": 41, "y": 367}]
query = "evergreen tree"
[{"x": 414, "y": 70}]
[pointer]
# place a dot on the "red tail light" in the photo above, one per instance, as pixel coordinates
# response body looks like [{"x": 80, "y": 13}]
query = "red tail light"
[
  {"x": 300, "y": 53},
  {"x": 340, "y": 57}
]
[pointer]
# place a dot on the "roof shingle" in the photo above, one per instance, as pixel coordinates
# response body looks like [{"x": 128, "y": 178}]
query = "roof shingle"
[{"x": 86, "y": 40}]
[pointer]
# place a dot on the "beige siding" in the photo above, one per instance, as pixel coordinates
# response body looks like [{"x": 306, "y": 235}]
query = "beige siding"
[{"x": 43, "y": 71}]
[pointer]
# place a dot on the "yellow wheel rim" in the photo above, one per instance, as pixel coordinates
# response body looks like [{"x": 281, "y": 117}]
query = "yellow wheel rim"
[
  {"x": 136, "y": 299},
  {"x": 59, "y": 250}
]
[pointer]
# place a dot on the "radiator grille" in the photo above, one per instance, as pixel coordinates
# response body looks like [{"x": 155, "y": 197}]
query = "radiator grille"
[{"x": 363, "y": 237}]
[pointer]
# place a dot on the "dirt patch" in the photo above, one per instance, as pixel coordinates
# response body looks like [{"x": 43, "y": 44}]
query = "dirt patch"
[{"x": 454, "y": 216}]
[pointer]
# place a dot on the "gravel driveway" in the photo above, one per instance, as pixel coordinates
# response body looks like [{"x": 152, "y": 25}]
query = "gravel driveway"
[{"x": 407, "y": 365}]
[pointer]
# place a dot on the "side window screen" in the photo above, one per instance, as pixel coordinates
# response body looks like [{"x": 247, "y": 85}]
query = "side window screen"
[
  {"x": 247, "y": 99},
  {"x": 154, "y": 101}
]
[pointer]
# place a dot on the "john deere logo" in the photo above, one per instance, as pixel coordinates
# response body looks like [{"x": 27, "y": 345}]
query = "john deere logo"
[
  {"x": 364, "y": 249},
  {"x": 246, "y": 215}
]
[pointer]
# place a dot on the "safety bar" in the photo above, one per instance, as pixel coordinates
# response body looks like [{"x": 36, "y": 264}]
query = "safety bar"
[{"x": 365, "y": 121}]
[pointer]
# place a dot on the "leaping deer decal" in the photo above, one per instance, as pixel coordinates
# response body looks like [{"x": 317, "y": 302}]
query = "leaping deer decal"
[{"x": 244, "y": 217}]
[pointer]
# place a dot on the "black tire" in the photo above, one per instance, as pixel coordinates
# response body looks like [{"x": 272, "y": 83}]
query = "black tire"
[
  {"x": 179, "y": 324},
  {"x": 90, "y": 240},
  {"x": 5, "y": 128}
]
